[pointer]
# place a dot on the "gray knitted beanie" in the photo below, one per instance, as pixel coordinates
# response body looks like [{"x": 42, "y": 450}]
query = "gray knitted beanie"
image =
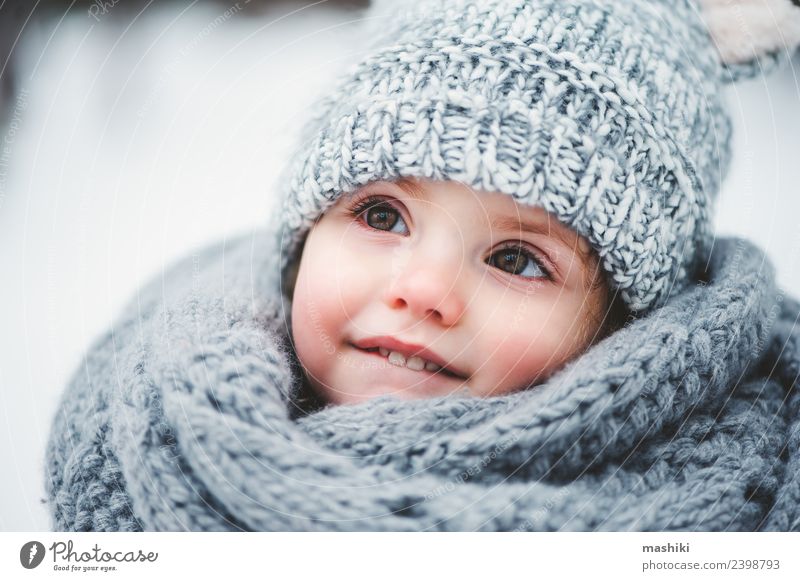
[{"x": 608, "y": 114}]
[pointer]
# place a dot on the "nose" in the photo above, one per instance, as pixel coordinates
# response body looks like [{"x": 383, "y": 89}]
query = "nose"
[{"x": 427, "y": 285}]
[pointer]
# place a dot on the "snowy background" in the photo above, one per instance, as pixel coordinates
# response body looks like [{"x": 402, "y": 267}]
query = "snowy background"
[{"x": 130, "y": 139}]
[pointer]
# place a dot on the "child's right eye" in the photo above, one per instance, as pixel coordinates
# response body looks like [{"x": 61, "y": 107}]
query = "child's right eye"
[{"x": 378, "y": 213}]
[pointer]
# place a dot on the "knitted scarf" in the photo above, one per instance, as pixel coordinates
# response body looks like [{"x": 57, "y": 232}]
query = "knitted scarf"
[{"x": 182, "y": 417}]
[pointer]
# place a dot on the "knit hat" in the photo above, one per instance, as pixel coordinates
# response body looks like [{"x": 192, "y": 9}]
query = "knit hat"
[{"x": 608, "y": 114}]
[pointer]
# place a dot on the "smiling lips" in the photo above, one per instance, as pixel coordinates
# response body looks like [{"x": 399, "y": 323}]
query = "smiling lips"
[{"x": 408, "y": 355}]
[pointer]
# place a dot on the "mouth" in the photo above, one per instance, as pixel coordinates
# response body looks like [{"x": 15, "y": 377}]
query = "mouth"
[{"x": 429, "y": 368}]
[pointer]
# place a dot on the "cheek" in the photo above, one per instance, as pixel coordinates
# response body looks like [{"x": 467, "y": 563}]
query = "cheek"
[
  {"x": 322, "y": 276},
  {"x": 315, "y": 311},
  {"x": 330, "y": 288},
  {"x": 312, "y": 324},
  {"x": 528, "y": 337},
  {"x": 516, "y": 353}
]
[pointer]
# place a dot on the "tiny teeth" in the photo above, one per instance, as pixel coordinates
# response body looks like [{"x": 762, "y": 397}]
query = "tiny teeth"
[
  {"x": 396, "y": 358},
  {"x": 415, "y": 363},
  {"x": 431, "y": 366}
]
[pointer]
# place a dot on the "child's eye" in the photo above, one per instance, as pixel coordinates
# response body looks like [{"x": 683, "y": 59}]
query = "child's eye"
[
  {"x": 518, "y": 261},
  {"x": 378, "y": 213}
]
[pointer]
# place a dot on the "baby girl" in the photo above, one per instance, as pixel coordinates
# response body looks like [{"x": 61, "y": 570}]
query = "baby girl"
[{"x": 418, "y": 288}]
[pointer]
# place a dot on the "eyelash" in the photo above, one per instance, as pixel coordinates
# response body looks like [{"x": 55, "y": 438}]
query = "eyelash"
[{"x": 361, "y": 206}]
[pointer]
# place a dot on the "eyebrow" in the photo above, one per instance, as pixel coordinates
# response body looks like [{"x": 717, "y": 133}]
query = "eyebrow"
[
  {"x": 411, "y": 188},
  {"x": 509, "y": 224}
]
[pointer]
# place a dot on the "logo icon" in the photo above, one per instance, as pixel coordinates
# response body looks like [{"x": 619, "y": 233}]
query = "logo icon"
[{"x": 31, "y": 554}]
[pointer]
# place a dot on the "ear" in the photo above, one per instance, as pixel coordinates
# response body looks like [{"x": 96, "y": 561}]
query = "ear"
[{"x": 750, "y": 34}]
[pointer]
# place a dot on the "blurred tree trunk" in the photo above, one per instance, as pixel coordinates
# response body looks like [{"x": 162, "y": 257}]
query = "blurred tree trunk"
[{"x": 17, "y": 16}]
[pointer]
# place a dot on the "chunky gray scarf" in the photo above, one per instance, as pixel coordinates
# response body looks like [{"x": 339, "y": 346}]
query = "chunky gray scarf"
[{"x": 182, "y": 417}]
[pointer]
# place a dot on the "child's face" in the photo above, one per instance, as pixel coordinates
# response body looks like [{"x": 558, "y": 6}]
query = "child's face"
[{"x": 448, "y": 269}]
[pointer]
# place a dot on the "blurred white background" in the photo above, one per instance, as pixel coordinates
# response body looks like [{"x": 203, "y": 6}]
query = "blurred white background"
[{"x": 133, "y": 137}]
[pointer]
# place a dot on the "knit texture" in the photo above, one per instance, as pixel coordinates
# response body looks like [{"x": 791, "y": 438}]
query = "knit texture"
[
  {"x": 609, "y": 115},
  {"x": 181, "y": 418}
]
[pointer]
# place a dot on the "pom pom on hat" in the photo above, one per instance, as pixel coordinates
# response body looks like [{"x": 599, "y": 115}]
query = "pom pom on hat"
[{"x": 746, "y": 31}]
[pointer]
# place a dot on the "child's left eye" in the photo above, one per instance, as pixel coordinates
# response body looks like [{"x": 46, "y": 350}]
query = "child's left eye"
[
  {"x": 379, "y": 214},
  {"x": 516, "y": 260}
]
